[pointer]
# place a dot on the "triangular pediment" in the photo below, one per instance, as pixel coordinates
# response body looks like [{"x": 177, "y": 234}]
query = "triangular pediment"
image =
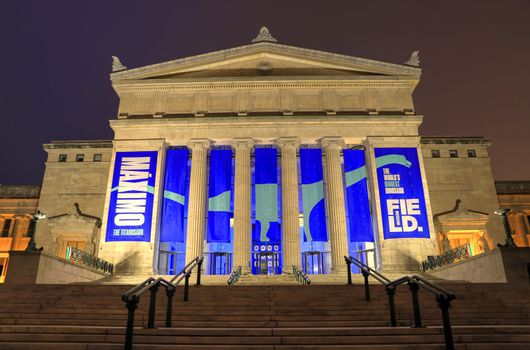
[
  {"x": 459, "y": 214},
  {"x": 266, "y": 59}
]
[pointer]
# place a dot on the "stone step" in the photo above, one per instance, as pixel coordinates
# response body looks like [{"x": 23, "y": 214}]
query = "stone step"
[
  {"x": 265, "y": 339},
  {"x": 258, "y": 317}
]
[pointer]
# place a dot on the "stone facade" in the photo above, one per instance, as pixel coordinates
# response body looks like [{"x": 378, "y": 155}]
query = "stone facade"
[
  {"x": 73, "y": 195},
  {"x": 254, "y": 95}
]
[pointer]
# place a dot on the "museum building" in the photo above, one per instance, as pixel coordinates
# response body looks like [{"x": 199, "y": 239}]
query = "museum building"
[{"x": 268, "y": 156}]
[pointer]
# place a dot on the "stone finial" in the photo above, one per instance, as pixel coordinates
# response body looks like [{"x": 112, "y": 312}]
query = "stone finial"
[
  {"x": 264, "y": 35},
  {"x": 414, "y": 59},
  {"x": 117, "y": 65}
]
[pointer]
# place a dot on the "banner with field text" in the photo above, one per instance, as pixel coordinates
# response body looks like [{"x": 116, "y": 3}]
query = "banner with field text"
[
  {"x": 131, "y": 197},
  {"x": 173, "y": 205},
  {"x": 313, "y": 195},
  {"x": 401, "y": 193}
]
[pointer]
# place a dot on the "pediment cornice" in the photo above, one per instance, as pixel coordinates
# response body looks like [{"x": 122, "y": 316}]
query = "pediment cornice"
[
  {"x": 166, "y": 85},
  {"x": 267, "y": 49}
]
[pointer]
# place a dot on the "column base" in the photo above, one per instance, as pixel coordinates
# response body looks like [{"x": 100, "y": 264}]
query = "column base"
[
  {"x": 245, "y": 270},
  {"x": 339, "y": 270}
]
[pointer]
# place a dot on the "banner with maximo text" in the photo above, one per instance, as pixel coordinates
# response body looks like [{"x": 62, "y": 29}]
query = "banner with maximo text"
[
  {"x": 401, "y": 193},
  {"x": 131, "y": 197}
]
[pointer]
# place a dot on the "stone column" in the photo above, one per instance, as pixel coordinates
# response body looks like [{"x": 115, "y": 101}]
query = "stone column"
[
  {"x": 17, "y": 233},
  {"x": 242, "y": 204},
  {"x": 520, "y": 230},
  {"x": 290, "y": 210},
  {"x": 197, "y": 198},
  {"x": 335, "y": 205}
]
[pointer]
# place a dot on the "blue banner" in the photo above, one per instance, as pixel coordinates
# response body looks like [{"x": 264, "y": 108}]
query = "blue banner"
[
  {"x": 131, "y": 197},
  {"x": 267, "y": 227},
  {"x": 360, "y": 221},
  {"x": 172, "y": 224},
  {"x": 401, "y": 193},
  {"x": 313, "y": 195},
  {"x": 219, "y": 195}
]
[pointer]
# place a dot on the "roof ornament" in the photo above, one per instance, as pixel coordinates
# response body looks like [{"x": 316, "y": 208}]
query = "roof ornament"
[
  {"x": 264, "y": 35},
  {"x": 117, "y": 65},
  {"x": 414, "y": 59}
]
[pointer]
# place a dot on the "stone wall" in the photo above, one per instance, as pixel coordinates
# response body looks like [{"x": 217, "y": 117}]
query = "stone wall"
[
  {"x": 68, "y": 182},
  {"x": 43, "y": 268},
  {"x": 469, "y": 179},
  {"x": 501, "y": 265}
]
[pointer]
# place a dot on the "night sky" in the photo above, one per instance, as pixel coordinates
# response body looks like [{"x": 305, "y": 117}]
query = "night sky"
[{"x": 55, "y": 60}]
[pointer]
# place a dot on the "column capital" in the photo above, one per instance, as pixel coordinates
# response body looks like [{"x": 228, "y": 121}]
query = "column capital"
[
  {"x": 242, "y": 143},
  {"x": 288, "y": 142},
  {"x": 199, "y": 144},
  {"x": 332, "y": 142}
]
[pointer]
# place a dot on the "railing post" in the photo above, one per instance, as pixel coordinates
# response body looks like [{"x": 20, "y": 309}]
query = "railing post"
[
  {"x": 152, "y": 306},
  {"x": 391, "y": 292},
  {"x": 132, "y": 305},
  {"x": 366, "y": 285},
  {"x": 414, "y": 287},
  {"x": 170, "y": 292},
  {"x": 444, "y": 304},
  {"x": 348, "y": 264},
  {"x": 199, "y": 267},
  {"x": 186, "y": 285}
]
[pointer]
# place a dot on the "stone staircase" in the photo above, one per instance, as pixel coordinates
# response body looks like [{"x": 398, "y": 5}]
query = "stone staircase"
[{"x": 92, "y": 317}]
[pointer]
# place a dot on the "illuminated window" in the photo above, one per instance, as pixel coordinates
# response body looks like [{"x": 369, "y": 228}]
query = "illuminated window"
[
  {"x": 4, "y": 258},
  {"x": 79, "y": 157},
  {"x": 453, "y": 153},
  {"x": 97, "y": 157},
  {"x": 6, "y": 228},
  {"x": 62, "y": 158},
  {"x": 435, "y": 153},
  {"x": 471, "y": 153}
]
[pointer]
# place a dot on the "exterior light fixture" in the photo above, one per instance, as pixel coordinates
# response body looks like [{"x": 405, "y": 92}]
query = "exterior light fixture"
[{"x": 32, "y": 228}]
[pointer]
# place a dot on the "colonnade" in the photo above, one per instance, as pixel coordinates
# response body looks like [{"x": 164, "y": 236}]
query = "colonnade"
[{"x": 288, "y": 147}]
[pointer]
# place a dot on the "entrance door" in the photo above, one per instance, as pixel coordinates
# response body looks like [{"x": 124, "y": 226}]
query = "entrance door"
[
  {"x": 268, "y": 263},
  {"x": 220, "y": 263},
  {"x": 313, "y": 263}
]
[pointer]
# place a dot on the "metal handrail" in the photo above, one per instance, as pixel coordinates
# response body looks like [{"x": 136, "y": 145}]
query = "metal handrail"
[
  {"x": 443, "y": 296},
  {"x": 83, "y": 258},
  {"x": 300, "y": 276},
  {"x": 132, "y": 297},
  {"x": 234, "y": 276}
]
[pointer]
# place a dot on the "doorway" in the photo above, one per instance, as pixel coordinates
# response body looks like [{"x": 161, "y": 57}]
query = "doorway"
[
  {"x": 267, "y": 263},
  {"x": 220, "y": 263},
  {"x": 313, "y": 262}
]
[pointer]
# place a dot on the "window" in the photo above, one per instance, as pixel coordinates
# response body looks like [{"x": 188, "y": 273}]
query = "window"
[
  {"x": 63, "y": 247},
  {"x": 6, "y": 228},
  {"x": 471, "y": 153},
  {"x": 97, "y": 157},
  {"x": 62, "y": 158},
  {"x": 435, "y": 153},
  {"x": 79, "y": 157},
  {"x": 453, "y": 153}
]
